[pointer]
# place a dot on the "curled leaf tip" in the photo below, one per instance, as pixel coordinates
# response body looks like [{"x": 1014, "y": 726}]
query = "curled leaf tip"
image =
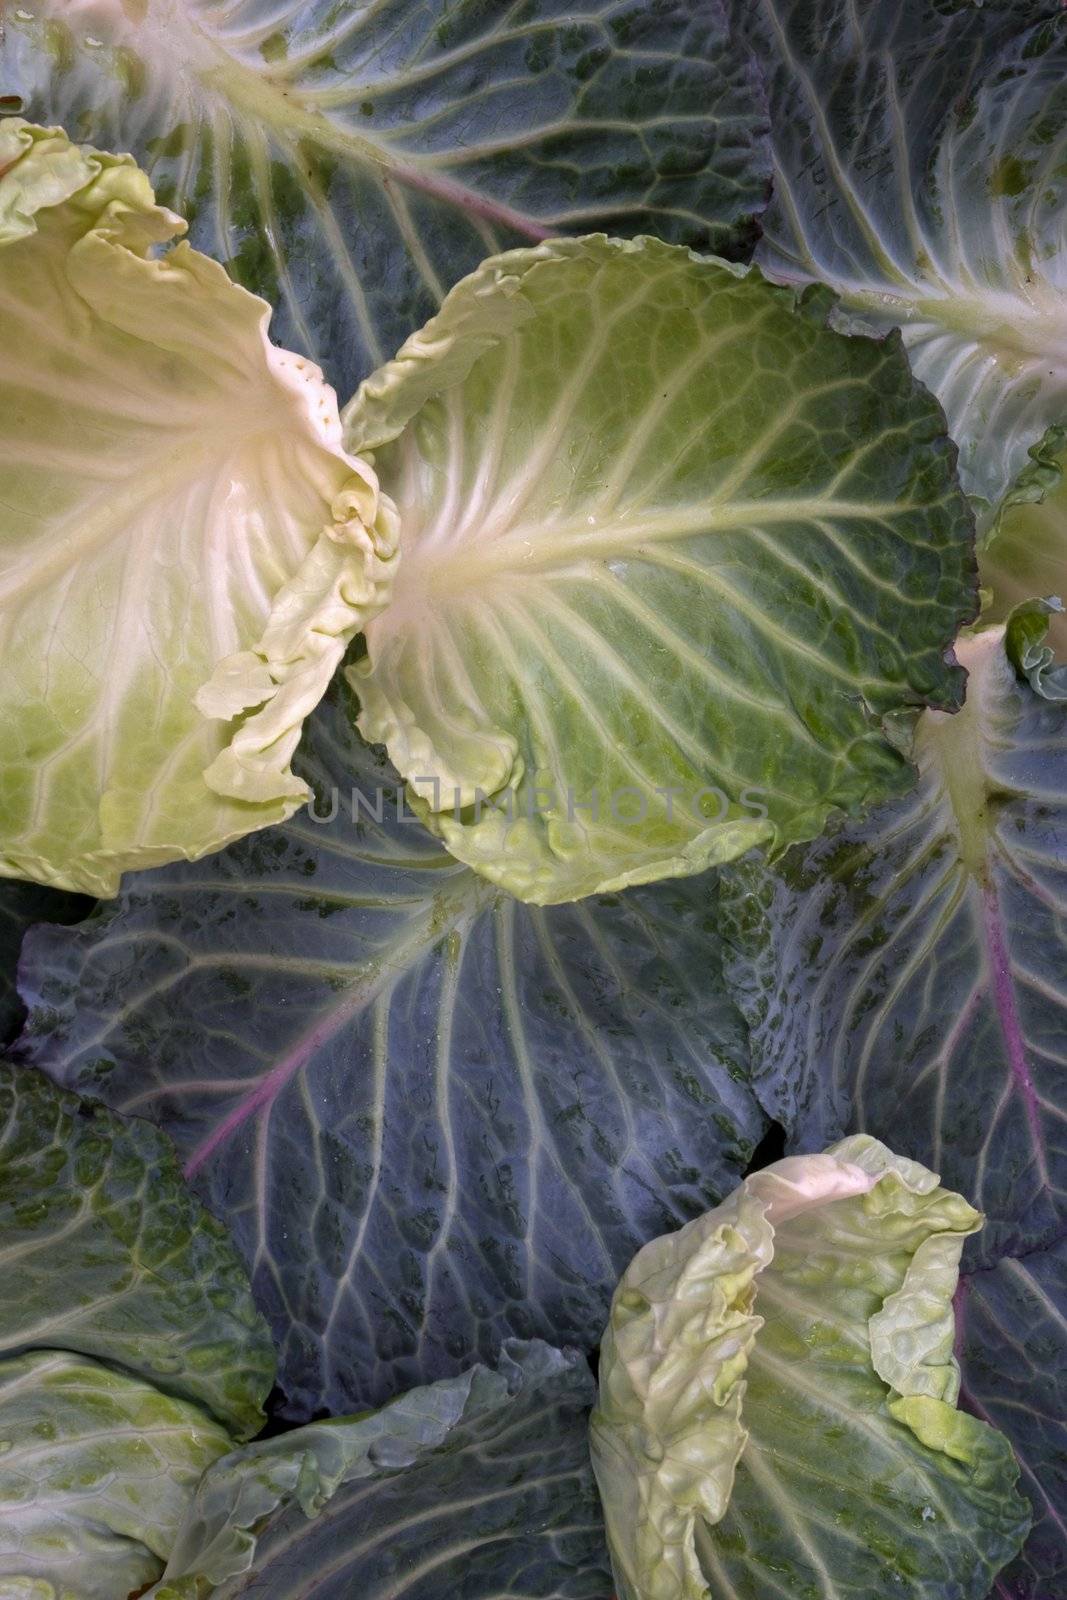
[
  {"x": 817, "y": 1296},
  {"x": 345, "y": 579}
]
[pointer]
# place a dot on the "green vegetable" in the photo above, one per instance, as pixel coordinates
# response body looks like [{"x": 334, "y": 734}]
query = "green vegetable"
[
  {"x": 778, "y": 1397},
  {"x": 175, "y": 507},
  {"x": 131, "y": 1355},
  {"x": 672, "y": 550}
]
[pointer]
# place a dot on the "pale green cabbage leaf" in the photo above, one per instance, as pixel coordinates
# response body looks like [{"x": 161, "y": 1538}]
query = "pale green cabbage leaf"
[
  {"x": 777, "y": 1410},
  {"x": 175, "y": 507},
  {"x": 672, "y": 550},
  {"x": 96, "y": 1470}
]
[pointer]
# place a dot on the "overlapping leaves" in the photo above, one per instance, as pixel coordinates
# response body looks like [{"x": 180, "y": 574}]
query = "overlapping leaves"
[
  {"x": 431, "y": 1117},
  {"x": 479, "y": 1486},
  {"x": 132, "y": 1367},
  {"x": 919, "y": 161},
  {"x": 904, "y": 975},
  {"x": 104, "y": 1252},
  {"x": 97, "y": 1468},
  {"x": 131, "y": 1356},
  {"x": 351, "y": 162}
]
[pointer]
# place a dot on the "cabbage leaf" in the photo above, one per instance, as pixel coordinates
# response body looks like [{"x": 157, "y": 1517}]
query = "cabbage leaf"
[
  {"x": 777, "y": 1407},
  {"x": 905, "y": 974},
  {"x": 432, "y": 1117},
  {"x": 920, "y": 155},
  {"x": 131, "y": 1355},
  {"x": 672, "y": 550},
  {"x": 351, "y": 161},
  {"x": 479, "y": 1485},
  {"x": 104, "y": 1252},
  {"x": 175, "y": 507},
  {"x": 1011, "y": 1339},
  {"x": 95, "y": 1476}
]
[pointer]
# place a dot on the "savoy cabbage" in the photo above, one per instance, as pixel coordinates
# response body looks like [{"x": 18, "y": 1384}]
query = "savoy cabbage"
[{"x": 530, "y": 545}]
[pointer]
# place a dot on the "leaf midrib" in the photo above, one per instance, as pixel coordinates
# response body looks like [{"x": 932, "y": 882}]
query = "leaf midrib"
[
  {"x": 240, "y": 88},
  {"x": 446, "y": 910},
  {"x": 89, "y": 527},
  {"x": 467, "y": 565},
  {"x": 957, "y": 744}
]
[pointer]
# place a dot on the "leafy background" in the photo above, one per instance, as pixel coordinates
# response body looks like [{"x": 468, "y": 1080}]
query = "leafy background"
[
  {"x": 350, "y": 162},
  {"x": 295, "y": 1010},
  {"x": 333, "y": 1017},
  {"x": 432, "y": 1116}
]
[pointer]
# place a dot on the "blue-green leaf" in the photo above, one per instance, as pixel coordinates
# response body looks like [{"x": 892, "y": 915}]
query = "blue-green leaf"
[
  {"x": 920, "y": 155},
  {"x": 431, "y": 1116},
  {"x": 1011, "y": 1340},
  {"x": 478, "y": 1487},
  {"x": 906, "y": 974},
  {"x": 351, "y": 161}
]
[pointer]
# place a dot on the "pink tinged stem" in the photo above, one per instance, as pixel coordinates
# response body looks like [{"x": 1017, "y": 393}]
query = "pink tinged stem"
[
  {"x": 475, "y": 205},
  {"x": 269, "y": 1087},
  {"x": 1010, "y": 1026},
  {"x": 959, "y": 1306}
]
